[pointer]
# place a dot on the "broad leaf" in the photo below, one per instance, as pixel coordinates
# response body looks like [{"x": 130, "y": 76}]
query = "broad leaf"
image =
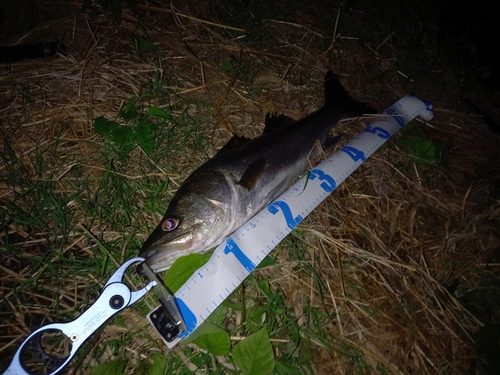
[
  {"x": 129, "y": 110},
  {"x": 123, "y": 137},
  {"x": 145, "y": 137},
  {"x": 158, "y": 112},
  {"x": 217, "y": 343},
  {"x": 267, "y": 261},
  {"x": 286, "y": 369},
  {"x": 254, "y": 355},
  {"x": 256, "y": 314},
  {"x": 104, "y": 127},
  {"x": 264, "y": 286},
  {"x": 114, "y": 367},
  {"x": 182, "y": 269},
  {"x": 159, "y": 365},
  {"x": 423, "y": 149},
  {"x": 211, "y": 325}
]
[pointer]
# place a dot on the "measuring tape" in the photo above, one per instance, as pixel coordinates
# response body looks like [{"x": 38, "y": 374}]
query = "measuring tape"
[{"x": 234, "y": 259}]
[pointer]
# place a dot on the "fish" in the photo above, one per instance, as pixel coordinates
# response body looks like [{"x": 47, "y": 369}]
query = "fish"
[{"x": 245, "y": 176}]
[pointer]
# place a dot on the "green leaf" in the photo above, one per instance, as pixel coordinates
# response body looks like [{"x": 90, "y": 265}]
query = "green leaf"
[
  {"x": 254, "y": 355},
  {"x": 182, "y": 269},
  {"x": 145, "y": 137},
  {"x": 153, "y": 201},
  {"x": 267, "y": 261},
  {"x": 129, "y": 110},
  {"x": 227, "y": 66},
  {"x": 295, "y": 332},
  {"x": 114, "y": 367},
  {"x": 226, "y": 63},
  {"x": 286, "y": 369},
  {"x": 238, "y": 306},
  {"x": 218, "y": 316},
  {"x": 104, "y": 127},
  {"x": 119, "y": 321},
  {"x": 256, "y": 314},
  {"x": 160, "y": 187},
  {"x": 158, "y": 112},
  {"x": 264, "y": 286},
  {"x": 423, "y": 149},
  {"x": 123, "y": 137},
  {"x": 210, "y": 325},
  {"x": 128, "y": 116},
  {"x": 149, "y": 206},
  {"x": 159, "y": 365},
  {"x": 206, "y": 328},
  {"x": 217, "y": 343}
]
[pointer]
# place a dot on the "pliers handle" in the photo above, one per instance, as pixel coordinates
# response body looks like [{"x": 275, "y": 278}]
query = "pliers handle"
[{"x": 115, "y": 297}]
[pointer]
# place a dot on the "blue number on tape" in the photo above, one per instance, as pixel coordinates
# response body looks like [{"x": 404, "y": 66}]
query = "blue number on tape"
[
  {"x": 354, "y": 153},
  {"x": 232, "y": 247},
  {"x": 378, "y": 131},
  {"x": 328, "y": 183},
  {"x": 290, "y": 220},
  {"x": 399, "y": 119}
]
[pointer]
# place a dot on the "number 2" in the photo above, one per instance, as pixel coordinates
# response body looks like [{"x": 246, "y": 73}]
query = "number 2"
[{"x": 290, "y": 220}]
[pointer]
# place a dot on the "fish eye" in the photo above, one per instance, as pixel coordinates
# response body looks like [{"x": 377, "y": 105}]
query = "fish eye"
[{"x": 169, "y": 224}]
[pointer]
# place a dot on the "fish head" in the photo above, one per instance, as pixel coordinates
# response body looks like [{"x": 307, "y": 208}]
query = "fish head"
[{"x": 193, "y": 223}]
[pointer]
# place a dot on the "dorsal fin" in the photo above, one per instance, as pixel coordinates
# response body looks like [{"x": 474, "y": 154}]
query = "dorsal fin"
[
  {"x": 337, "y": 97},
  {"x": 253, "y": 173},
  {"x": 234, "y": 142},
  {"x": 275, "y": 122}
]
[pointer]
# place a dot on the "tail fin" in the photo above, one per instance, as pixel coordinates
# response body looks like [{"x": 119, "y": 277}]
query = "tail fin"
[{"x": 337, "y": 97}]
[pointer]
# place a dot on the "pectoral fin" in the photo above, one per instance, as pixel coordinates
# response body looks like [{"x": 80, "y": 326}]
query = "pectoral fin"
[{"x": 253, "y": 173}]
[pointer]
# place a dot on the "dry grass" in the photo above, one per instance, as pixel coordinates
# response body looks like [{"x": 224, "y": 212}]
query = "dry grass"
[{"x": 386, "y": 247}]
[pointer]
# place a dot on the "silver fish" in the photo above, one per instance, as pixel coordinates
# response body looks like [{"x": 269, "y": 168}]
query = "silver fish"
[{"x": 244, "y": 177}]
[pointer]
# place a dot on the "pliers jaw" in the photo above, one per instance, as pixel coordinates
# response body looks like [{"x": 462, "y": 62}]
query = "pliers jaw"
[{"x": 167, "y": 318}]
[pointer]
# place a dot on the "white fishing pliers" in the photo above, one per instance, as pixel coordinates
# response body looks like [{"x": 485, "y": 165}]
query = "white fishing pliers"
[{"x": 115, "y": 297}]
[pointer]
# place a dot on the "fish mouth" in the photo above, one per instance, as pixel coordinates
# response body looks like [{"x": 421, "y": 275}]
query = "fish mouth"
[
  {"x": 160, "y": 256},
  {"x": 159, "y": 259}
]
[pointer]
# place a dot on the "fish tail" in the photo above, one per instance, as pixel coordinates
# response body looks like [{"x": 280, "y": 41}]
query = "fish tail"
[{"x": 337, "y": 98}]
